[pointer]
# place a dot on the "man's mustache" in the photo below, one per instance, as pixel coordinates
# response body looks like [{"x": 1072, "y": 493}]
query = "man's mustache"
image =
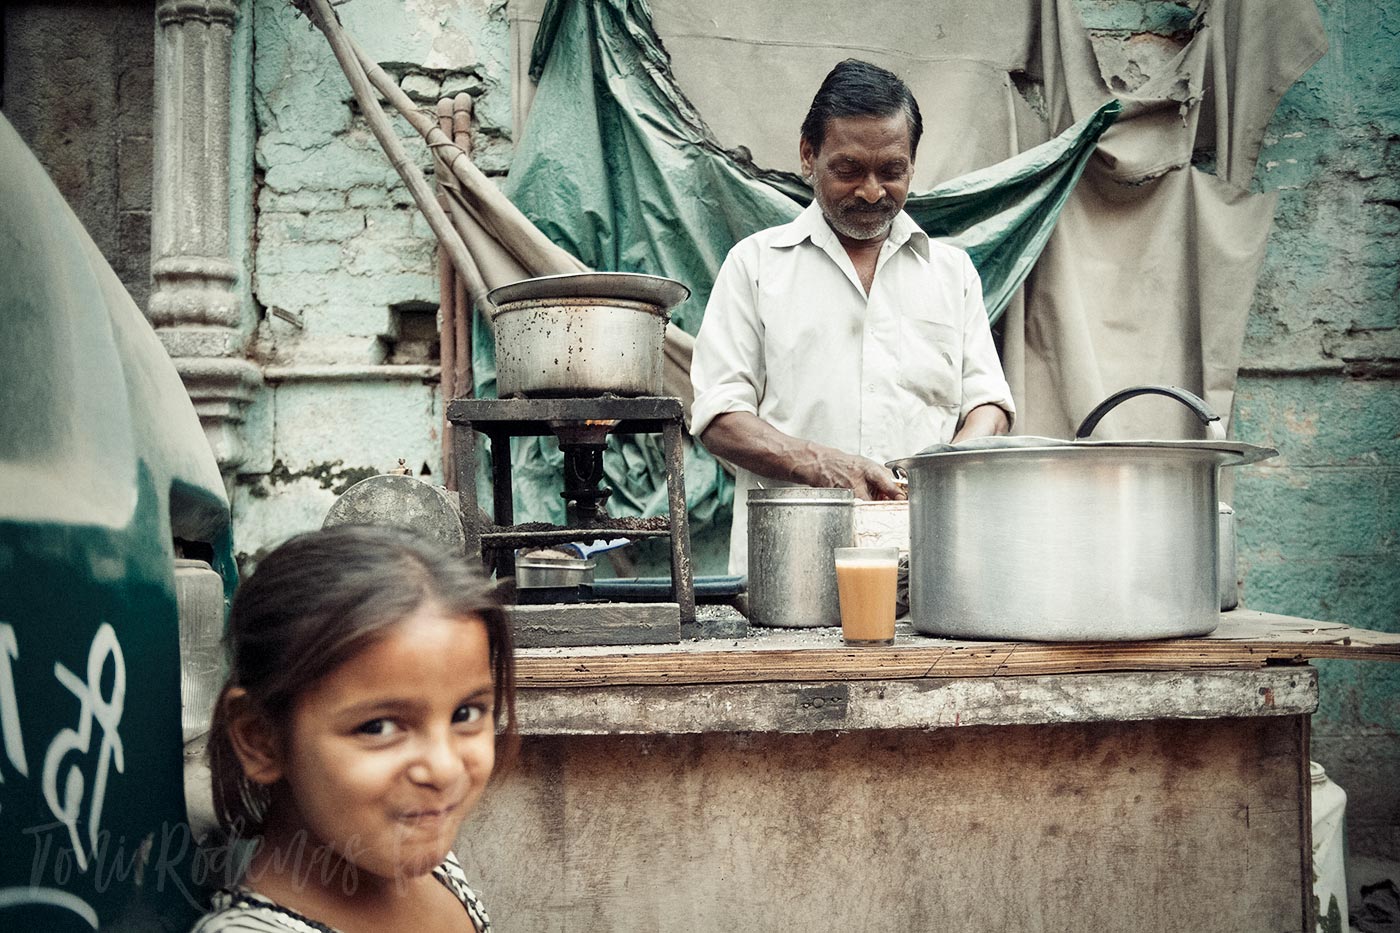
[{"x": 857, "y": 206}]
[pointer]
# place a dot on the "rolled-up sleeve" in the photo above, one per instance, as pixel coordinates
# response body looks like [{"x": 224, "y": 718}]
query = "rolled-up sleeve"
[
  {"x": 983, "y": 381},
  {"x": 727, "y": 371}
]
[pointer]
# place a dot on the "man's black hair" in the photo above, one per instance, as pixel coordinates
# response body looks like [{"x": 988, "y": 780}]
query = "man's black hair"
[{"x": 859, "y": 89}]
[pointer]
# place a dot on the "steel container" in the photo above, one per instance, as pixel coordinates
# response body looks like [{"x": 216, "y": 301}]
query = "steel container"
[
  {"x": 1228, "y": 573},
  {"x": 1049, "y": 540},
  {"x": 589, "y": 333},
  {"x": 792, "y": 572}
]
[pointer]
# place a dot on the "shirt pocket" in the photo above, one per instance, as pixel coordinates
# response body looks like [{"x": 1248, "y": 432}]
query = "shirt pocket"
[{"x": 930, "y": 362}]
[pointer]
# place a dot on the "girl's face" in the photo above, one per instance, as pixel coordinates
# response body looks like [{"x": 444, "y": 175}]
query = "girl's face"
[{"x": 386, "y": 755}]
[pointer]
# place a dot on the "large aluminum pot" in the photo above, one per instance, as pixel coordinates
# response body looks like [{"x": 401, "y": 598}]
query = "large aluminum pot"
[
  {"x": 586, "y": 333},
  {"x": 1048, "y": 540},
  {"x": 792, "y": 571}
]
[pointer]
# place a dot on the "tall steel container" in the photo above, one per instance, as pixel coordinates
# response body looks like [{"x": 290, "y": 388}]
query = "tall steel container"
[{"x": 792, "y": 573}]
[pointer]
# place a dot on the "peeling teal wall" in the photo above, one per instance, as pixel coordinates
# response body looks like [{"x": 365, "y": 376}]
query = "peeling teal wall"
[
  {"x": 1320, "y": 526},
  {"x": 343, "y": 264}
]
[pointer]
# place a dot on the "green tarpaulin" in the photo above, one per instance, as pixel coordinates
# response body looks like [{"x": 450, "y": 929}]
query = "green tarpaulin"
[{"x": 616, "y": 166}]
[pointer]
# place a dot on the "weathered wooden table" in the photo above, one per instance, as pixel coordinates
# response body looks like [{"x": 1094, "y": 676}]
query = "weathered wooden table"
[{"x": 786, "y": 782}]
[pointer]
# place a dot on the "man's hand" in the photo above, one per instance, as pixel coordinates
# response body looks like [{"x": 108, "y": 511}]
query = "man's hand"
[
  {"x": 866, "y": 478},
  {"x": 748, "y": 441}
]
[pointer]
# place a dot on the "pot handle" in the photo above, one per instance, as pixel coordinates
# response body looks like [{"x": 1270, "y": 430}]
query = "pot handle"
[{"x": 1192, "y": 401}]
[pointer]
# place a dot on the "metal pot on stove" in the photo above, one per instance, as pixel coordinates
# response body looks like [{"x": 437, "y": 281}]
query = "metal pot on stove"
[
  {"x": 1039, "y": 539},
  {"x": 585, "y": 333}
]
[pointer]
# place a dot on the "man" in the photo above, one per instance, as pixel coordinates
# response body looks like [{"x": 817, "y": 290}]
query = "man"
[{"x": 845, "y": 338}]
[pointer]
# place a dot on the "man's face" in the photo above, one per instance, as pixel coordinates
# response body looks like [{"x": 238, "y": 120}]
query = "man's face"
[{"x": 861, "y": 174}]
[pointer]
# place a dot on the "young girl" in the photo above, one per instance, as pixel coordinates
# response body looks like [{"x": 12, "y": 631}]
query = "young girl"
[{"x": 369, "y": 674}]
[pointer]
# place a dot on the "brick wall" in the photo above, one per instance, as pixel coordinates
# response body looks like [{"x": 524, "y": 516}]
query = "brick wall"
[{"x": 76, "y": 85}]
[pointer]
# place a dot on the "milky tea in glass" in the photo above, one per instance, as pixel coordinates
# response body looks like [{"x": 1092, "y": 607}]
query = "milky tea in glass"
[{"x": 865, "y": 581}]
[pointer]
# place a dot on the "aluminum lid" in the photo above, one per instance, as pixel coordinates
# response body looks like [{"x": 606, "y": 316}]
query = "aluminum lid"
[
  {"x": 627, "y": 286},
  {"x": 1236, "y": 453}
]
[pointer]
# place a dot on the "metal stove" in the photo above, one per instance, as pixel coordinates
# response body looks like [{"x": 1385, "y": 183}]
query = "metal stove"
[{"x": 582, "y": 426}]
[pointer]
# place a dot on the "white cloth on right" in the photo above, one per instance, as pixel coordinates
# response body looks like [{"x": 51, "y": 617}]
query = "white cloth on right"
[{"x": 790, "y": 336}]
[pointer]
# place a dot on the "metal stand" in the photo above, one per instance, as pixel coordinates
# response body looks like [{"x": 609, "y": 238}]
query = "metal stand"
[{"x": 582, "y": 426}]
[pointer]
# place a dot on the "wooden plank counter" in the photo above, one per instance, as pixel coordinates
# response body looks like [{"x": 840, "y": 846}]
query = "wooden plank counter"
[
  {"x": 1244, "y": 639},
  {"x": 783, "y": 782}
]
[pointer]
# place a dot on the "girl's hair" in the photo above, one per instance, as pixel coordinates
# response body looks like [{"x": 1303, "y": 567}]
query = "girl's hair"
[{"x": 311, "y": 605}]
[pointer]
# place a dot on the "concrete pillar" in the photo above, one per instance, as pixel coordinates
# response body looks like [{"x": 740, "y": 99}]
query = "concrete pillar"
[{"x": 194, "y": 306}]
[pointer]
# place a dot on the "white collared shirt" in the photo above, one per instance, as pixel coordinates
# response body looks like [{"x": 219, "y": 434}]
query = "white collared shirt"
[{"x": 790, "y": 335}]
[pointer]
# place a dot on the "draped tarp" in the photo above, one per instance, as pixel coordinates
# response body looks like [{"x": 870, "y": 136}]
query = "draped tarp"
[
  {"x": 1150, "y": 275},
  {"x": 618, "y": 167},
  {"x": 1150, "y": 271}
]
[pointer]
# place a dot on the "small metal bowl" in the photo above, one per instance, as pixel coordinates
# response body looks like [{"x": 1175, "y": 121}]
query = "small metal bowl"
[{"x": 547, "y": 572}]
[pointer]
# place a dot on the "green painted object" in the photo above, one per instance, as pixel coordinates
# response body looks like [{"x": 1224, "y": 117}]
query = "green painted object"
[{"x": 102, "y": 463}]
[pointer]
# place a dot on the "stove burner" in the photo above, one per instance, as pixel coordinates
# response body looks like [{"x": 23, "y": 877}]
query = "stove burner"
[
  {"x": 583, "y": 443},
  {"x": 583, "y": 496}
]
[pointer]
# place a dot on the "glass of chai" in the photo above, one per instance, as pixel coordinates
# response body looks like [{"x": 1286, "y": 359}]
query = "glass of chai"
[{"x": 865, "y": 582}]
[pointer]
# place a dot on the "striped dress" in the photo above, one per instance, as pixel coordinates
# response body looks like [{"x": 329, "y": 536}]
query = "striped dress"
[{"x": 239, "y": 910}]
